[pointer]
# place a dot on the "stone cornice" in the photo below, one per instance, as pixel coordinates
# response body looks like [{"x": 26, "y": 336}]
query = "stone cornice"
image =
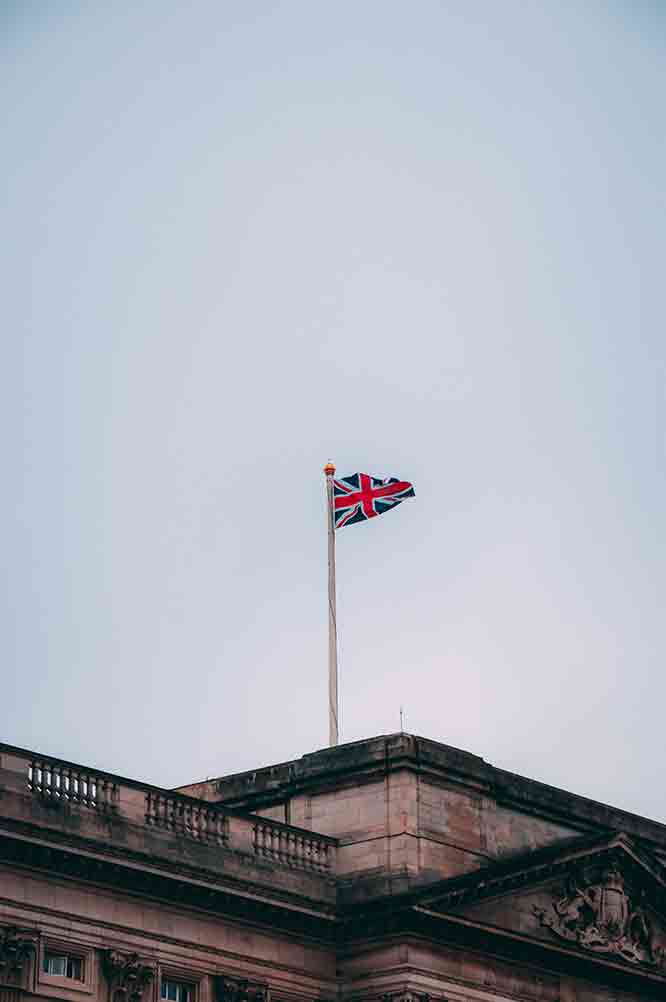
[
  {"x": 365, "y": 761},
  {"x": 176, "y": 883}
]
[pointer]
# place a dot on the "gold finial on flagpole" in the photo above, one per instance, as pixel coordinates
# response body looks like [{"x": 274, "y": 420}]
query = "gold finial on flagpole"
[{"x": 329, "y": 469}]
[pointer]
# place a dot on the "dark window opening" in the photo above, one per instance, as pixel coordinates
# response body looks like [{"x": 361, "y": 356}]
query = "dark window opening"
[{"x": 62, "y": 965}]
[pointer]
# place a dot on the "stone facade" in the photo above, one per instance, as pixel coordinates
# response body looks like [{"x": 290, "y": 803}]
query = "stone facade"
[{"x": 394, "y": 869}]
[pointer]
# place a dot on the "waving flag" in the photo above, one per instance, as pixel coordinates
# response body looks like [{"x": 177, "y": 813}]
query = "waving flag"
[{"x": 360, "y": 496}]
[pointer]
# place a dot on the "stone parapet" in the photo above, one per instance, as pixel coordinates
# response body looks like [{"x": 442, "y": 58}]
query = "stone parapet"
[{"x": 70, "y": 804}]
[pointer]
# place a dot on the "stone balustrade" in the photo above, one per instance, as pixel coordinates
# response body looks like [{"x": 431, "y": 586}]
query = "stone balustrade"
[
  {"x": 291, "y": 847},
  {"x": 66, "y": 790},
  {"x": 57, "y": 781},
  {"x": 185, "y": 816}
]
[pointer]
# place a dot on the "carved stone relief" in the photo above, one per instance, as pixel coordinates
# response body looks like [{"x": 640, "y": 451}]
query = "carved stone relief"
[
  {"x": 16, "y": 946},
  {"x": 602, "y": 917},
  {"x": 127, "y": 975},
  {"x": 239, "y": 990},
  {"x": 406, "y": 996}
]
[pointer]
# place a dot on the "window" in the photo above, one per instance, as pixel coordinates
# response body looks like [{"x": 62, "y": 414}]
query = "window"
[
  {"x": 62, "y": 965},
  {"x": 176, "y": 991}
]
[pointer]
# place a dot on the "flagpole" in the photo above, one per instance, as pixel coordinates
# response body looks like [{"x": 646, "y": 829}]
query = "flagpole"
[{"x": 333, "y": 729}]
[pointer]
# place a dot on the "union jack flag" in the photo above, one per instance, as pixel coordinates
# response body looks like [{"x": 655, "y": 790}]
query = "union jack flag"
[{"x": 360, "y": 496}]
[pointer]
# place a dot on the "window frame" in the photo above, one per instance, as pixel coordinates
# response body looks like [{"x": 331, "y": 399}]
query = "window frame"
[
  {"x": 188, "y": 986},
  {"x": 59, "y": 985},
  {"x": 70, "y": 959},
  {"x": 192, "y": 979}
]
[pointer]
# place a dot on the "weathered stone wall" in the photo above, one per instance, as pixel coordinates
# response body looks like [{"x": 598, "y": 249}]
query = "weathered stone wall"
[
  {"x": 411, "y": 807},
  {"x": 457, "y": 975},
  {"x": 194, "y": 945},
  {"x": 236, "y": 877}
]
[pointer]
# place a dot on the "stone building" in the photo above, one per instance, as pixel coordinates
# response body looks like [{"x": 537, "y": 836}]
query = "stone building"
[{"x": 394, "y": 868}]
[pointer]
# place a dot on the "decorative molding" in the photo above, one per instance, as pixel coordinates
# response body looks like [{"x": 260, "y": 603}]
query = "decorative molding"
[
  {"x": 406, "y": 996},
  {"x": 16, "y": 947},
  {"x": 600, "y": 916},
  {"x": 239, "y": 990},
  {"x": 127, "y": 975}
]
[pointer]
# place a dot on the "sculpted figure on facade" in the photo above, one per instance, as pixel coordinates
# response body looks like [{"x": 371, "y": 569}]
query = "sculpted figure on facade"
[
  {"x": 238, "y": 990},
  {"x": 127, "y": 975},
  {"x": 406, "y": 996},
  {"x": 16, "y": 947},
  {"x": 602, "y": 917}
]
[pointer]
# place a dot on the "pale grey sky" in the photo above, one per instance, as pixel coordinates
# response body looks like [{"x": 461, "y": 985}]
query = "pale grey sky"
[{"x": 424, "y": 239}]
